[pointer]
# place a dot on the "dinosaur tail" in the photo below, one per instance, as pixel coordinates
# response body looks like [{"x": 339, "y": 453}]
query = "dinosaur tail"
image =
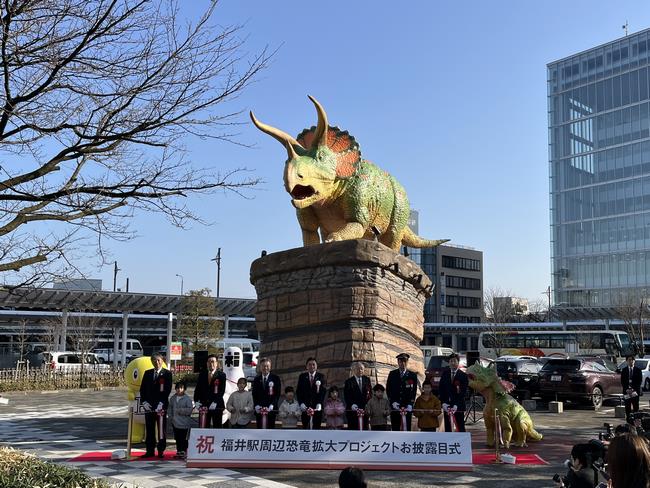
[{"x": 412, "y": 240}]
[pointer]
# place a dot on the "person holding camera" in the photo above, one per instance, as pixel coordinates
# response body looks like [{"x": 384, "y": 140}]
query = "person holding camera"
[
  {"x": 628, "y": 462},
  {"x": 580, "y": 474},
  {"x": 631, "y": 378}
]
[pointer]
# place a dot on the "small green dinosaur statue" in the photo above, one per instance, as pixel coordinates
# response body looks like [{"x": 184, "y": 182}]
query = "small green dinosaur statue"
[
  {"x": 337, "y": 193},
  {"x": 516, "y": 424}
]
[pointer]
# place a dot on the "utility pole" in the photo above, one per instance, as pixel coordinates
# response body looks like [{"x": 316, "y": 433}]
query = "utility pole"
[
  {"x": 625, "y": 26},
  {"x": 115, "y": 270},
  {"x": 217, "y": 259}
]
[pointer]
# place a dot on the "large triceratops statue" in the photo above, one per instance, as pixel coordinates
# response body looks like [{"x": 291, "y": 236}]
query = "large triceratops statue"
[
  {"x": 516, "y": 424},
  {"x": 338, "y": 193}
]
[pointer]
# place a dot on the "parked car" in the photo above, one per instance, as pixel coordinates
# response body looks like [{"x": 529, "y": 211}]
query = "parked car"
[
  {"x": 106, "y": 356},
  {"x": 70, "y": 361},
  {"x": 250, "y": 364},
  {"x": 644, "y": 366},
  {"x": 579, "y": 379},
  {"x": 133, "y": 346},
  {"x": 521, "y": 371}
]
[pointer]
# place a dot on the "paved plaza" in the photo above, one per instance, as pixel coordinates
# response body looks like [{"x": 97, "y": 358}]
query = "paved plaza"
[{"x": 61, "y": 425}]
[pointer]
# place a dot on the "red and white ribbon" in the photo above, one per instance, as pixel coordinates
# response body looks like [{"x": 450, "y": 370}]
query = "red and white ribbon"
[
  {"x": 203, "y": 417},
  {"x": 310, "y": 412},
  {"x": 161, "y": 425},
  {"x": 270, "y": 388},
  {"x": 161, "y": 381},
  {"x": 264, "y": 412},
  {"x": 216, "y": 386},
  {"x": 452, "y": 420},
  {"x": 360, "y": 415},
  {"x": 403, "y": 412}
]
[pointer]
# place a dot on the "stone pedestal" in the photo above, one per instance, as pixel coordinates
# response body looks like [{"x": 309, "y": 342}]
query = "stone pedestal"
[{"x": 339, "y": 302}]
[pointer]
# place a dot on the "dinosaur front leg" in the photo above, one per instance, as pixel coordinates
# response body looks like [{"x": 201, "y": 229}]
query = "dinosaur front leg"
[
  {"x": 352, "y": 230},
  {"x": 506, "y": 430},
  {"x": 308, "y": 222}
]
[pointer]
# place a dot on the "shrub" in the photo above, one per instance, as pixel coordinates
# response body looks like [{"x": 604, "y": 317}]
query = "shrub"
[{"x": 21, "y": 470}]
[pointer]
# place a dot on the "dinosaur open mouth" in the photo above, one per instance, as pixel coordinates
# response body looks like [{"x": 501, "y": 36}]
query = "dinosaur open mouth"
[{"x": 301, "y": 192}]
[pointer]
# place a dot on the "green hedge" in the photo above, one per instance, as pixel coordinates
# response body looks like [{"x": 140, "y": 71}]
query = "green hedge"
[{"x": 21, "y": 470}]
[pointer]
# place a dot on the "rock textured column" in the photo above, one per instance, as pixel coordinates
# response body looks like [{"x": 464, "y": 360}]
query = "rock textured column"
[{"x": 339, "y": 302}]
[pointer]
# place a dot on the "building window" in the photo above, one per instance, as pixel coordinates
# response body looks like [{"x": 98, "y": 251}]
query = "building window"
[
  {"x": 459, "y": 301},
  {"x": 461, "y": 282},
  {"x": 461, "y": 263}
]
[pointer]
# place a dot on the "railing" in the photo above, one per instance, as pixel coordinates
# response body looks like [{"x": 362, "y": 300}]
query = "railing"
[{"x": 46, "y": 379}]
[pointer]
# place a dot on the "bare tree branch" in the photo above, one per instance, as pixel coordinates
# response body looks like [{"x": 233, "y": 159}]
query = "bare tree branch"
[{"x": 96, "y": 98}]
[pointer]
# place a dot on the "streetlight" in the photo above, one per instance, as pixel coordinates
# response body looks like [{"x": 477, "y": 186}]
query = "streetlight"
[{"x": 181, "y": 277}]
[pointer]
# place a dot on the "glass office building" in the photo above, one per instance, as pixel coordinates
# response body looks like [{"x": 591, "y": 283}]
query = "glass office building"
[{"x": 599, "y": 153}]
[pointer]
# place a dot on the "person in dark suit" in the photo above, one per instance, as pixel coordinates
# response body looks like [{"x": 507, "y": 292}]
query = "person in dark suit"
[
  {"x": 357, "y": 390},
  {"x": 453, "y": 388},
  {"x": 631, "y": 379},
  {"x": 209, "y": 391},
  {"x": 154, "y": 394},
  {"x": 266, "y": 393},
  {"x": 310, "y": 393},
  {"x": 401, "y": 386}
]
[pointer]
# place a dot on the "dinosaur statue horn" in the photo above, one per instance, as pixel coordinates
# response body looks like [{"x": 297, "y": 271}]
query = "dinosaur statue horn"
[
  {"x": 285, "y": 139},
  {"x": 320, "y": 136}
]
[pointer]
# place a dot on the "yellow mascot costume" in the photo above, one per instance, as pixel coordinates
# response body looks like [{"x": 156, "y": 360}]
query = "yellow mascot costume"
[{"x": 133, "y": 378}]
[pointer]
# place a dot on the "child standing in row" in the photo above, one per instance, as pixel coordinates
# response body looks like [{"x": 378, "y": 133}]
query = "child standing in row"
[
  {"x": 240, "y": 405},
  {"x": 289, "y": 409},
  {"x": 334, "y": 409},
  {"x": 427, "y": 409},
  {"x": 180, "y": 409},
  {"x": 378, "y": 409}
]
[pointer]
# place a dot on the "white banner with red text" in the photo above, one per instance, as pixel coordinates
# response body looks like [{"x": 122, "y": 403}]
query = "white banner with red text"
[{"x": 330, "y": 449}]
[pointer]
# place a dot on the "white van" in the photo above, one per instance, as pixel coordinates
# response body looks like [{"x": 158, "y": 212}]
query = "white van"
[{"x": 133, "y": 348}]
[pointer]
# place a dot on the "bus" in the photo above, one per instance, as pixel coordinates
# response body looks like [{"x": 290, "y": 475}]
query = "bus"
[{"x": 539, "y": 343}]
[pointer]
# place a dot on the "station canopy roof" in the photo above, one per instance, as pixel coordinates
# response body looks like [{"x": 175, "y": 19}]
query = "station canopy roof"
[{"x": 108, "y": 301}]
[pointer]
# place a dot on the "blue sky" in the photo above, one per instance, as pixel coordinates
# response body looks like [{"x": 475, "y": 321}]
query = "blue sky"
[{"x": 450, "y": 97}]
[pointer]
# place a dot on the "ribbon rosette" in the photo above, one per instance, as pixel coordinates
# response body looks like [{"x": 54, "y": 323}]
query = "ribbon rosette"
[
  {"x": 403, "y": 412},
  {"x": 161, "y": 425},
  {"x": 264, "y": 412},
  {"x": 271, "y": 388},
  {"x": 216, "y": 386},
  {"x": 203, "y": 415},
  {"x": 457, "y": 385},
  {"x": 317, "y": 386},
  {"x": 409, "y": 384},
  {"x": 310, "y": 412},
  {"x": 360, "y": 414},
  {"x": 161, "y": 382}
]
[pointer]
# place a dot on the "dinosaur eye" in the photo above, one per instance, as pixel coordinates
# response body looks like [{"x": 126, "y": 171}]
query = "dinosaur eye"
[{"x": 135, "y": 374}]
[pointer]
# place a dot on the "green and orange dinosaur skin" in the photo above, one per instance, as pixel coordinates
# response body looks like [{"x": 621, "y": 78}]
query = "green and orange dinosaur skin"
[
  {"x": 516, "y": 424},
  {"x": 337, "y": 194}
]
